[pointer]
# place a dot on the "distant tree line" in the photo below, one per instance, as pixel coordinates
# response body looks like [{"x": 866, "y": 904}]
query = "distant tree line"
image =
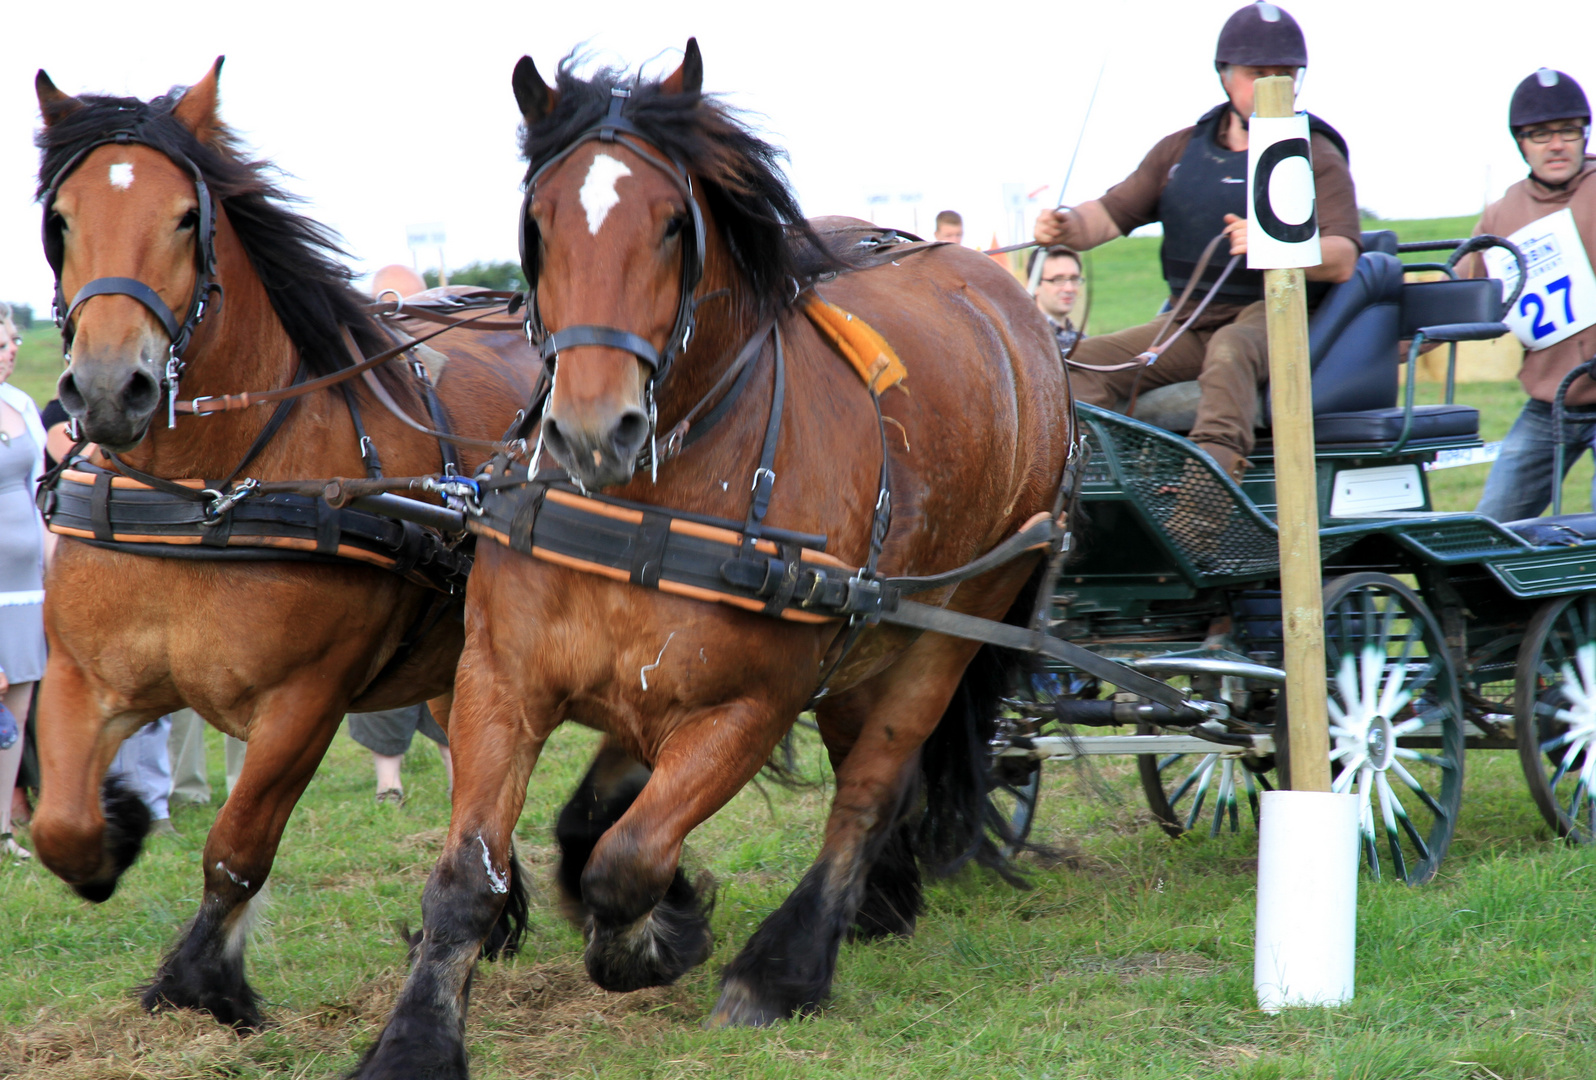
[
  {"x": 22, "y": 315},
  {"x": 488, "y": 275}
]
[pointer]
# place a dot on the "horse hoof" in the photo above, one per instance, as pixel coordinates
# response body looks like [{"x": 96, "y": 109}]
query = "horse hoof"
[{"x": 739, "y": 1006}]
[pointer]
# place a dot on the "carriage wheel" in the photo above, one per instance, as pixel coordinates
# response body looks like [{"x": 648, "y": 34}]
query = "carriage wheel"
[
  {"x": 1016, "y": 785},
  {"x": 1554, "y": 713},
  {"x": 1187, "y": 791},
  {"x": 1392, "y": 682}
]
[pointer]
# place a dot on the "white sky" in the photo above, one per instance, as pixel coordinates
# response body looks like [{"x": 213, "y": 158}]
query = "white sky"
[{"x": 386, "y": 115}]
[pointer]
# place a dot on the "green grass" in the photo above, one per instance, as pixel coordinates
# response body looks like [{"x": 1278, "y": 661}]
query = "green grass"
[
  {"x": 1129, "y": 957},
  {"x": 39, "y": 362}
]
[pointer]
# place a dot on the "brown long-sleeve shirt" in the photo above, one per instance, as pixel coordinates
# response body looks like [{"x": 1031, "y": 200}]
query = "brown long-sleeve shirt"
[{"x": 1527, "y": 201}]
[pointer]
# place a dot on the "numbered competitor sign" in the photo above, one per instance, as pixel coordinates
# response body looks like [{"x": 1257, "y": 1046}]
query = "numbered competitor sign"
[
  {"x": 1282, "y": 230},
  {"x": 1559, "y": 297}
]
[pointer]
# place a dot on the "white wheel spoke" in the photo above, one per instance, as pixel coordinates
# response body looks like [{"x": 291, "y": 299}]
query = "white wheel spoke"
[{"x": 1408, "y": 726}]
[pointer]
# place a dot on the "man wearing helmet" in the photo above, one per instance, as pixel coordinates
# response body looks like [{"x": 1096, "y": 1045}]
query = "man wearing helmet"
[
  {"x": 1195, "y": 183},
  {"x": 1550, "y": 120}
]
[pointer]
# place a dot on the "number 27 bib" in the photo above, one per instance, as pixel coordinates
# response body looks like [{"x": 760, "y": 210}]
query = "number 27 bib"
[{"x": 1559, "y": 297}]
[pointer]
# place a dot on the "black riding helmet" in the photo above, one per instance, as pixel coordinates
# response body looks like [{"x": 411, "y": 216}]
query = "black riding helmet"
[
  {"x": 1262, "y": 35},
  {"x": 1547, "y": 95}
]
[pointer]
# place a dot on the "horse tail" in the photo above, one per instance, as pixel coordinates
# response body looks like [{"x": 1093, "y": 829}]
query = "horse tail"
[
  {"x": 959, "y": 825},
  {"x": 505, "y": 937}
]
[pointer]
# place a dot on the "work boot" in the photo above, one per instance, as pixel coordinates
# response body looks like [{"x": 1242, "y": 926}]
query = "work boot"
[{"x": 1203, "y": 506}]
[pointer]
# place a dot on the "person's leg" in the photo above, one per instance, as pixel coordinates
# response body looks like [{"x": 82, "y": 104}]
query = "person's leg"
[
  {"x": 233, "y": 751},
  {"x": 1520, "y": 482},
  {"x": 1112, "y": 389},
  {"x": 17, "y": 698},
  {"x": 387, "y": 735},
  {"x": 186, "y": 747},
  {"x": 1236, "y": 365},
  {"x": 142, "y": 764}
]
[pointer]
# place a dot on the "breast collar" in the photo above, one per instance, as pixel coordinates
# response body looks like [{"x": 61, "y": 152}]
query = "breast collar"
[
  {"x": 613, "y": 128},
  {"x": 178, "y": 334}
]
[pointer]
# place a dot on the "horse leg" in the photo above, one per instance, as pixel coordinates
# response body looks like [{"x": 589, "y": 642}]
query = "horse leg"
[
  {"x": 87, "y": 829},
  {"x": 611, "y": 785},
  {"x": 476, "y": 883},
  {"x": 788, "y": 965},
  {"x": 647, "y": 924},
  {"x": 205, "y": 970}
]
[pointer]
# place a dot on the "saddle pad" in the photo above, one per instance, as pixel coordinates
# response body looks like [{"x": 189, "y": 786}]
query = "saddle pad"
[{"x": 858, "y": 342}]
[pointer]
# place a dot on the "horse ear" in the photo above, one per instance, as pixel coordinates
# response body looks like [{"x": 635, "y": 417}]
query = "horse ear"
[
  {"x": 197, "y": 107},
  {"x": 689, "y": 78},
  {"x": 533, "y": 97},
  {"x": 54, "y": 105}
]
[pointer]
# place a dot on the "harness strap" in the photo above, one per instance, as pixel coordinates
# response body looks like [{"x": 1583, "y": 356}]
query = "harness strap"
[
  {"x": 121, "y": 286},
  {"x": 278, "y": 418},
  {"x": 957, "y": 624},
  {"x": 765, "y": 475},
  {"x": 368, "y": 449}
]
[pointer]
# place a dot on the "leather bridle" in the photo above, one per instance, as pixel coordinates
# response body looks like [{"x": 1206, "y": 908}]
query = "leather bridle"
[
  {"x": 616, "y": 128},
  {"x": 178, "y": 334}
]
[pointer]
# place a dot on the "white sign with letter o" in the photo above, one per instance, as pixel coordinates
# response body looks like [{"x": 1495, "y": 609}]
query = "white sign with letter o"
[
  {"x": 1282, "y": 227},
  {"x": 1559, "y": 297}
]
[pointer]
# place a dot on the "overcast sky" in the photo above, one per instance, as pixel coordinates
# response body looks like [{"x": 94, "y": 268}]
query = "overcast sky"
[{"x": 387, "y": 115}]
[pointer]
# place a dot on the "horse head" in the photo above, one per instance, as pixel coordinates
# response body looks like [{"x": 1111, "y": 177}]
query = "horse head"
[
  {"x": 125, "y": 230},
  {"x": 612, "y": 243}
]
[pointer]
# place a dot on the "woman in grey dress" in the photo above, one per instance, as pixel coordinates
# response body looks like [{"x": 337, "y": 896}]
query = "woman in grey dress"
[{"x": 23, "y": 542}]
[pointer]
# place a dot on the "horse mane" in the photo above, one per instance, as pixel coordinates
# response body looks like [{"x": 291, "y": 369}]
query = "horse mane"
[
  {"x": 298, "y": 260},
  {"x": 771, "y": 242}
]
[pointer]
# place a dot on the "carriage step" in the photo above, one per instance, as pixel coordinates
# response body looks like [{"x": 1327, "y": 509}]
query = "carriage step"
[{"x": 1062, "y": 748}]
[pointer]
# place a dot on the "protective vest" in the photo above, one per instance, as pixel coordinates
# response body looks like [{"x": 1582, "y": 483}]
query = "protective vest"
[{"x": 1209, "y": 182}]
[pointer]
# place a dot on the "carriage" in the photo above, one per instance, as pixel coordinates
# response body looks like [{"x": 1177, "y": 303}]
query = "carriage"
[{"x": 1444, "y": 631}]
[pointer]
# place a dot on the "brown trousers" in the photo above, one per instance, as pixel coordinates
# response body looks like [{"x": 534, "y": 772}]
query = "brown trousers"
[{"x": 1229, "y": 362}]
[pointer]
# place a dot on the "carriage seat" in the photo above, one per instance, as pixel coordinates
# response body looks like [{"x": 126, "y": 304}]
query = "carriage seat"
[
  {"x": 1561, "y": 530},
  {"x": 1353, "y": 338}
]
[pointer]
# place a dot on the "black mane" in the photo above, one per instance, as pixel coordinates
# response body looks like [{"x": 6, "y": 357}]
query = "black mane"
[
  {"x": 739, "y": 173},
  {"x": 297, "y": 260}
]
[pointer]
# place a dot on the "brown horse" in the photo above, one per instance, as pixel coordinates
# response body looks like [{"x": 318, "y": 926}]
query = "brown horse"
[
  {"x": 696, "y": 694},
  {"x": 274, "y": 652}
]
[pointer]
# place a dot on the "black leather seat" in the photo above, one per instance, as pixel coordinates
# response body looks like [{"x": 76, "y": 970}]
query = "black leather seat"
[
  {"x": 1353, "y": 339},
  {"x": 1384, "y": 426},
  {"x": 1563, "y": 530}
]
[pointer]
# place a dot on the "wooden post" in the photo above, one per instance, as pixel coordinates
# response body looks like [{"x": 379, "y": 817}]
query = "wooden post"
[{"x": 1297, "y": 498}]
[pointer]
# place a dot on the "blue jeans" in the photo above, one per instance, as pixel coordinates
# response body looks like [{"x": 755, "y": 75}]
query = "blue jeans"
[{"x": 1520, "y": 483}]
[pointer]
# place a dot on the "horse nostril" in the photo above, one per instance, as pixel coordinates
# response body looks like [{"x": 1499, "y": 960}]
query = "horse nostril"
[
  {"x": 631, "y": 432},
  {"x": 141, "y": 394},
  {"x": 66, "y": 388},
  {"x": 553, "y": 438}
]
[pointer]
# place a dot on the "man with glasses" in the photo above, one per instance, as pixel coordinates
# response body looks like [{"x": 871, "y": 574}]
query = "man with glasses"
[
  {"x": 1056, "y": 291},
  {"x": 1195, "y": 183},
  {"x": 1549, "y": 117}
]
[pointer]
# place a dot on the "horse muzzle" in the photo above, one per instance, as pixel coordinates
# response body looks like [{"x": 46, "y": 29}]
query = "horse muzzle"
[
  {"x": 113, "y": 401},
  {"x": 598, "y": 455}
]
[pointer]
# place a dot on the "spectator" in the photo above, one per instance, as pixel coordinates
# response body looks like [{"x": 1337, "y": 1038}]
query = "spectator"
[
  {"x": 143, "y": 764},
  {"x": 1549, "y": 117},
  {"x": 1056, "y": 292},
  {"x": 387, "y": 735},
  {"x": 24, "y": 547},
  {"x": 949, "y": 228}
]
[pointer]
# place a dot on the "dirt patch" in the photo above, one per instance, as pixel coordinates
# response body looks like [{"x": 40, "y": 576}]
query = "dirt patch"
[
  {"x": 523, "y": 1009},
  {"x": 1139, "y": 965}
]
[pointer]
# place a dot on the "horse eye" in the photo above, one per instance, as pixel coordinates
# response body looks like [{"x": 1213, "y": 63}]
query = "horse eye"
[
  {"x": 190, "y": 220},
  {"x": 58, "y": 222},
  {"x": 675, "y": 225}
]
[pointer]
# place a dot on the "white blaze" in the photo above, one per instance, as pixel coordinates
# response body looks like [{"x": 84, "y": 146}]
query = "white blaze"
[
  {"x": 122, "y": 175},
  {"x": 598, "y": 190}
]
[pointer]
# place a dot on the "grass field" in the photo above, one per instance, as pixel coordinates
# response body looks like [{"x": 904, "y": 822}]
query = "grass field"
[{"x": 1130, "y": 955}]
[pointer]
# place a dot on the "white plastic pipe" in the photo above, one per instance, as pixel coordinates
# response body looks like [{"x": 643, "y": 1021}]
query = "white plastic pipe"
[{"x": 1307, "y": 899}]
